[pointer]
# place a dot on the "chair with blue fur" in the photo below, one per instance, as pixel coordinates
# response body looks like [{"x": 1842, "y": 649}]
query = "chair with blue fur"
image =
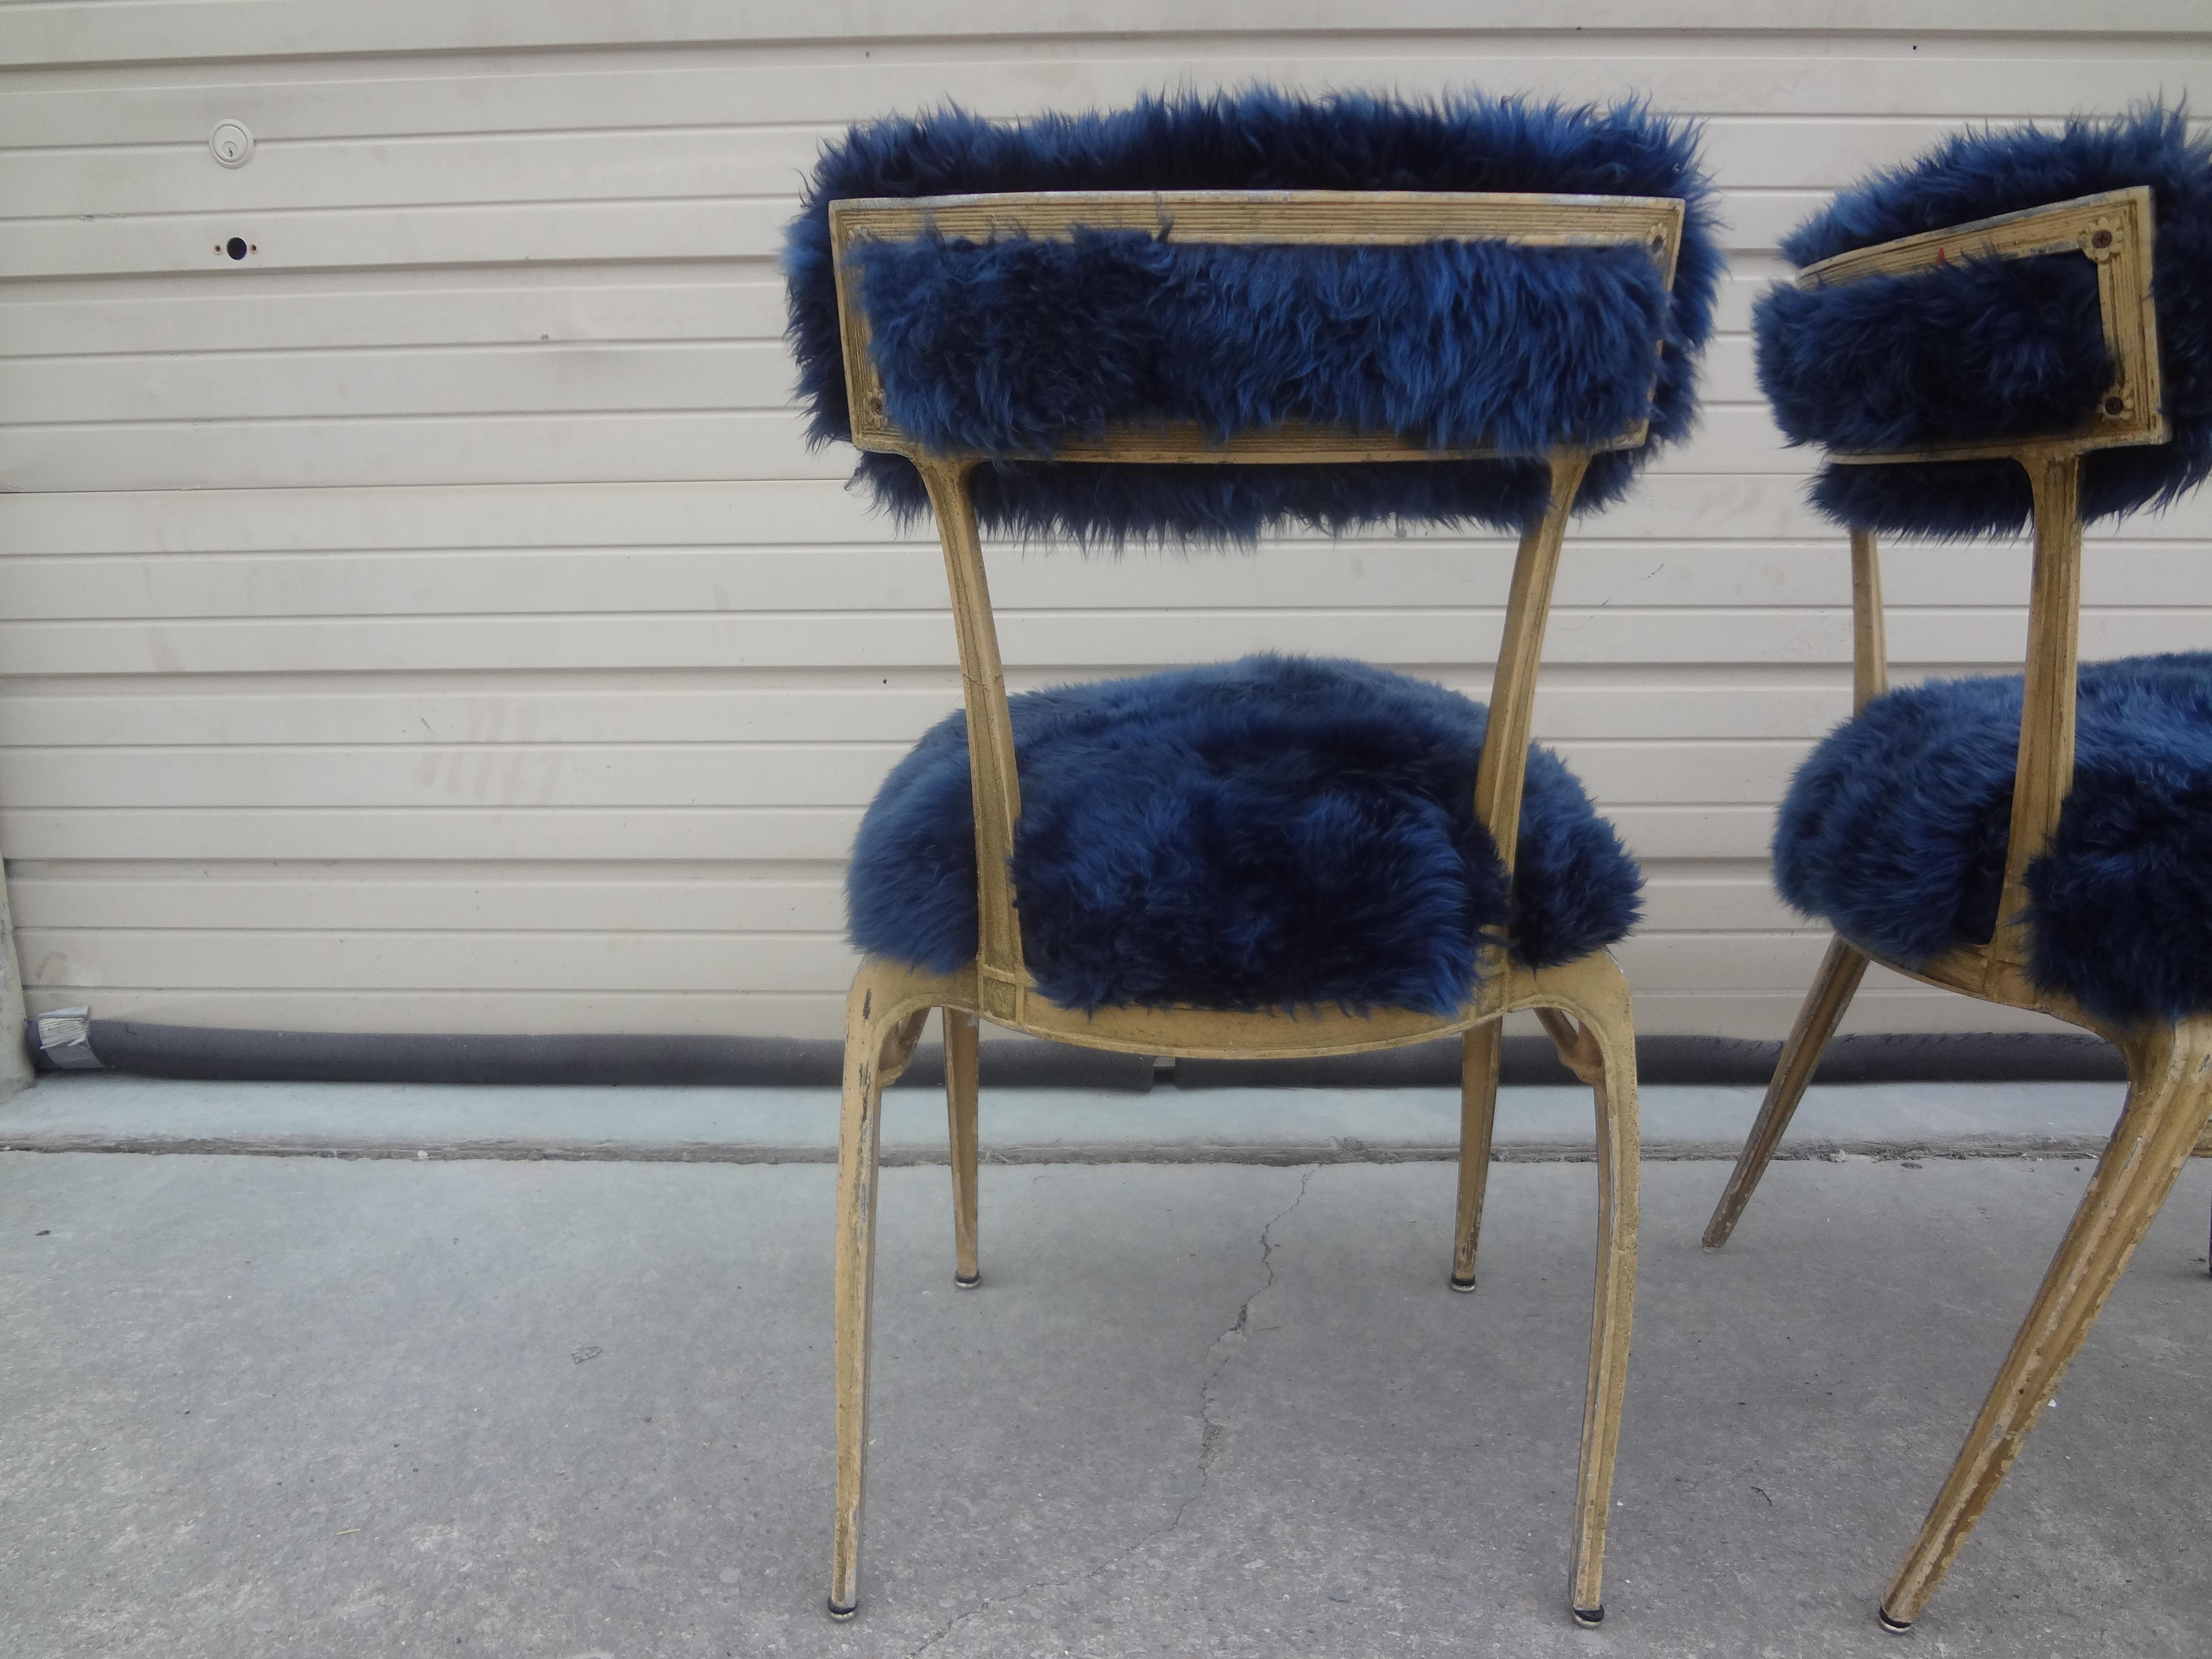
[
  {"x": 1192, "y": 321},
  {"x": 2015, "y": 330}
]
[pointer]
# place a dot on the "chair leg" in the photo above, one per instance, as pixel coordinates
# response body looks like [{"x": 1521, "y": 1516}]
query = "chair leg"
[
  {"x": 1477, "y": 1115},
  {"x": 960, "y": 1060},
  {"x": 1604, "y": 1052},
  {"x": 2204, "y": 1149},
  {"x": 1833, "y": 988},
  {"x": 876, "y": 1048},
  {"x": 2169, "y": 1092}
]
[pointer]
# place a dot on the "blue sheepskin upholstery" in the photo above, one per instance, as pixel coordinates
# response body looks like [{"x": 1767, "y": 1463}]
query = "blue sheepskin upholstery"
[
  {"x": 1273, "y": 833},
  {"x": 1004, "y": 345},
  {"x": 1895, "y": 831},
  {"x": 1992, "y": 349}
]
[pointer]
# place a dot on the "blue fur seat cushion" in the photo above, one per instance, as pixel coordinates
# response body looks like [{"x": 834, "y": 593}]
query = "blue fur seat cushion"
[
  {"x": 1992, "y": 348},
  {"x": 1276, "y": 832},
  {"x": 1895, "y": 831},
  {"x": 1004, "y": 346}
]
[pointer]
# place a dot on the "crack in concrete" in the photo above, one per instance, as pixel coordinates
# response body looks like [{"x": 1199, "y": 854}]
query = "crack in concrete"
[{"x": 1225, "y": 1348}]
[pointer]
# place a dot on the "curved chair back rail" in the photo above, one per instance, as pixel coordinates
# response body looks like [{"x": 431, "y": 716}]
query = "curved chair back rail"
[
  {"x": 1333, "y": 218},
  {"x": 2114, "y": 230},
  {"x": 1233, "y": 218}
]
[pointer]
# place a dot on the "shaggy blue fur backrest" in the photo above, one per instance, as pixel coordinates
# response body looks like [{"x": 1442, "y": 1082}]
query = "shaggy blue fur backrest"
[
  {"x": 1990, "y": 349},
  {"x": 1004, "y": 346}
]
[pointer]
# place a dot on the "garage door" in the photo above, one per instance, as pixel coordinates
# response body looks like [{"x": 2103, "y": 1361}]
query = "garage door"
[{"x": 433, "y": 620}]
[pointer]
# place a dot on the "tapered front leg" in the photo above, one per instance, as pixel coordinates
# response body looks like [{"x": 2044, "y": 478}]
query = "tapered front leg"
[
  {"x": 2204, "y": 1149},
  {"x": 859, "y": 1141},
  {"x": 2169, "y": 1091},
  {"x": 1833, "y": 988},
  {"x": 1603, "y": 1053},
  {"x": 1477, "y": 1115},
  {"x": 960, "y": 1090}
]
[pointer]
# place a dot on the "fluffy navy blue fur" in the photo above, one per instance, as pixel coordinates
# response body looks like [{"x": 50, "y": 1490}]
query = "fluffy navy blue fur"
[
  {"x": 1272, "y": 832},
  {"x": 1990, "y": 348},
  {"x": 1895, "y": 830},
  {"x": 1007, "y": 345},
  {"x": 1407, "y": 340},
  {"x": 1229, "y": 503},
  {"x": 1984, "y": 349}
]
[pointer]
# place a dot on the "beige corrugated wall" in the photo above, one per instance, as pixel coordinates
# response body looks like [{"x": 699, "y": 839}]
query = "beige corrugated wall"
[{"x": 435, "y": 622}]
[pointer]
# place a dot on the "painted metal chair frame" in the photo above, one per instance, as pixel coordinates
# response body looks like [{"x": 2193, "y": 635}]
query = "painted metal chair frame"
[
  {"x": 1584, "y": 1006},
  {"x": 2169, "y": 1066}
]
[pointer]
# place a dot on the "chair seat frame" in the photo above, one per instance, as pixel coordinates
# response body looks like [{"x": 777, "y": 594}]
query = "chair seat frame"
[
  {"x": 1584, "y": 1006},
  {"x": 2169, "y": 1063}
]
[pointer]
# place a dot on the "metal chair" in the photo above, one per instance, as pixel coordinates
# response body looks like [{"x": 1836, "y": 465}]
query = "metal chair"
[
  {"x": 1015, "y": 968},
  {"x": 1946, "y": 831}
]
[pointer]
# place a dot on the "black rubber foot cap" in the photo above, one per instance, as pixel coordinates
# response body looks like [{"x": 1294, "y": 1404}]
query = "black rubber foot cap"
[
  {"x": 841, "y": 1614},
  {"x": 1462, "y": 1285},
  {"x": 1893, "y": 1626},
  {"x": 1590, "y": 1618},
  {"x": 967, "y": 1283}
]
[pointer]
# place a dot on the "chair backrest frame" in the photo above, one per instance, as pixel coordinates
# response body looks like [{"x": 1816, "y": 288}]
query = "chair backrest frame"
[
  {"x": 1277, "y": 217},
  {"x": 2114, "y": 230},
  {"x": 1226, "y": 217}
]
